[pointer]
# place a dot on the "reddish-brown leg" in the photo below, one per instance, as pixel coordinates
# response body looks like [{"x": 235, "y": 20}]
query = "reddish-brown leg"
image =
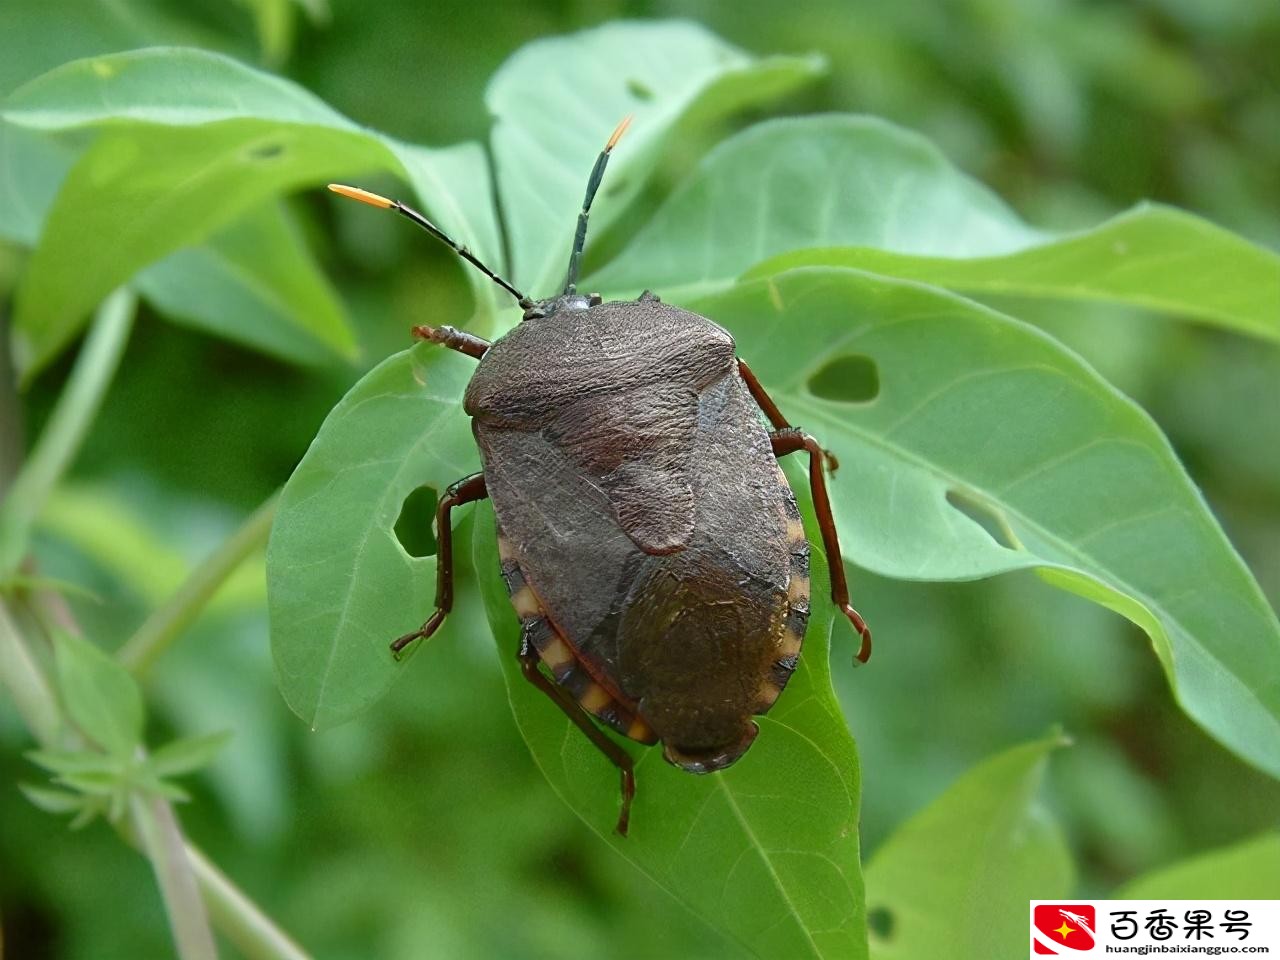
[
  {"x": 529, "y": 661},
  {"x": 792, "y": 440},
  {"x": 771, "y": 411},
  {"x": 466, "y": 490},
  {"x": 453, "y": 338}
]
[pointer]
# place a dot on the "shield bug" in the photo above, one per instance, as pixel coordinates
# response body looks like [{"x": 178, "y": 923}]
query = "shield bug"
[{"x": 650, "y": 542}]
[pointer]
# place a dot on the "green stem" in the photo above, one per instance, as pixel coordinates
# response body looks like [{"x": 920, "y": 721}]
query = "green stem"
[
  {"x": 166, "y": 624},
  {"x": 26, "y": 683},
  {"x": 164, "y": 845},
  {"x": 238, "y": 918},
  {"x": 71, "y": 418}
]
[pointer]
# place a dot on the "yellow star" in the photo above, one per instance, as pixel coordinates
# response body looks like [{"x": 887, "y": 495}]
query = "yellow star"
[{"x": 1063, "y": 930}]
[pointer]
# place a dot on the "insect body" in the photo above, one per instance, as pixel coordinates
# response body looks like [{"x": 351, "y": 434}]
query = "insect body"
[{"x": 651, "y": 545}]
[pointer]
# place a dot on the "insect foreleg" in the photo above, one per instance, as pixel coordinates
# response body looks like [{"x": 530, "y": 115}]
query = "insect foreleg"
[{"x": 454, "y": 339}]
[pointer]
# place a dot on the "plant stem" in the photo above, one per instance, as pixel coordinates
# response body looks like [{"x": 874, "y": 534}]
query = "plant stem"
[
  {"x": 238, "y": 918},
  {"x": 71, "y": 418},
  {"x": 22, "y": 677},
  {"x": 166, "y": 624},
  {"x": 164, "y": 845}
]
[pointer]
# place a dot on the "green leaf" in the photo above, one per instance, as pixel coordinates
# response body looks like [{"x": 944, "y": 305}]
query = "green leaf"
[
  {"x": 767, "y": 850},
  {"x": 340, "y": 586},
  {"x": 98, "y": 783},
  {"x": 162, "y": 788},
  {"x": 1246, "y": 871},
  {"x": 255, "y": 281},
  {"x": 193, "y": 141},
  {"x": 31, "y": 170},
  {"x": 954, "y": 880},
  {"x": 980, "y": 423},
  {"x": 77, "y": 761},
  {"x": 557, "y": 99},
  {"x": 186, "y": 755},
  {"x": 142, "y": 85},
  {"x": 52, "y": 801},
  {"x": 859, "y": 192},
  {"x": 100, "y": 695},
  {"x": 93, "y": 808},
  {"x": 210, "y": 175}
]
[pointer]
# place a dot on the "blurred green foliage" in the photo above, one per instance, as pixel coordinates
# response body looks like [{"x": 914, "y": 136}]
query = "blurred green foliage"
[{"x": 425, "y": 829}]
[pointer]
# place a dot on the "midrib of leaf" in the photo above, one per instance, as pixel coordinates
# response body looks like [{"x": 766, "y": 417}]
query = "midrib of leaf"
[{"x": 763, "y": 854}]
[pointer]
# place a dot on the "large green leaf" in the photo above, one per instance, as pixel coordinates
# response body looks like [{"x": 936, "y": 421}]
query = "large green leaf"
[
  {"x": 954, "y": 880},
  {"x": 979, "y": 419},
  {"x": 859, "y": 192},
  {"x": 766, "y": 850},
  {"x": 340, "y": 586},
  {"x": 556, "y": 100},
  {"x": 1246, "y": 871},
  {"x": 193, "y": 140},
  {"x": 254, "y": 281},
  {"x": 210, "y": 175}
]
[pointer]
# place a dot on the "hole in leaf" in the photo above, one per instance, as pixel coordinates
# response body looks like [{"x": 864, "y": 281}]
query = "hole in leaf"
[
  {"x": 852, "y": 378},
  {"x": 989, "y": 518},
  {"x": 880, "y": 921},
  {"x": 265, "y": 151},
  {"x": 639, "y": 90},
  {"x": 414, "y": 527}
]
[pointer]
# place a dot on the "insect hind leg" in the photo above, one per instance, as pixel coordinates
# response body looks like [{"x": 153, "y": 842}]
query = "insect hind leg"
[
  {"x": 529, "y": 660},
  {"x": 792, "y": 440}
]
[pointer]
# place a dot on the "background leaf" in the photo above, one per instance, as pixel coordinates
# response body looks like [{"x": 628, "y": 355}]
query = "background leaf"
[
  {"x": 766, "y": 850},
  {"x": 183, "y": 756},
  {"x": 1246, "y": 871},
  {"x": 954, "y": 880},
  {"x": 254, "y": 281},
  {"x": 195, "y": 139},
  {"x": 557, "y": 100},
  {"x": 100, "y": 695},
  {"x": 209, "y": 175},
  {"x": 989, "y": 448},
  {"x": 858, "y": 192}
]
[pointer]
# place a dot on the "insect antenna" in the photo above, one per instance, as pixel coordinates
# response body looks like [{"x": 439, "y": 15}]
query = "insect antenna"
[
  {"x": 593, "y": 184},
  {"x": 374, "y": 200}
]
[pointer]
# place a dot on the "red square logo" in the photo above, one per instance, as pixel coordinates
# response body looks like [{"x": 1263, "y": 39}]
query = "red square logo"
[{"x": 1062, "y": 928}]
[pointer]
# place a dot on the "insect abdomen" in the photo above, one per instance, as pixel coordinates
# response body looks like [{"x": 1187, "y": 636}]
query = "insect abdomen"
[{"x": 565, "y": 666}]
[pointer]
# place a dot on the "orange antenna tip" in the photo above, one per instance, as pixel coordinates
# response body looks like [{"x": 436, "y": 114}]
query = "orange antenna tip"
[
  {"x": 617, "y": 133},
  {"x": 364, "y": 196}
]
